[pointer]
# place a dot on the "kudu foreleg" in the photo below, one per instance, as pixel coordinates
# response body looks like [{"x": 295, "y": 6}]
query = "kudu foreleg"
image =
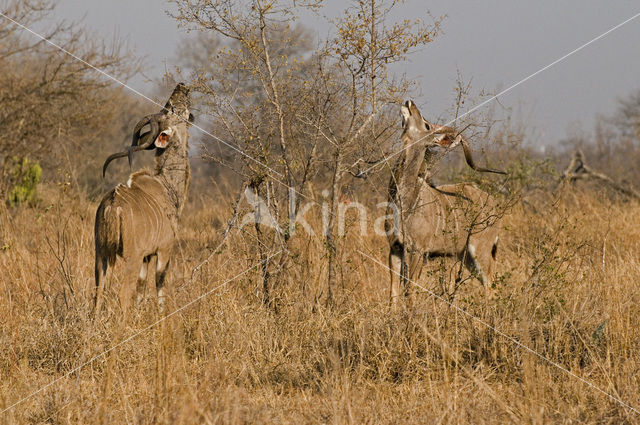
[
  {"x": 142, "y": 279},
  {"x": 395, "y": 270},
  {"x": 413, "y": 262},
  {"x": 396, "y": 260},
  {"x": 161, "y": 272}
]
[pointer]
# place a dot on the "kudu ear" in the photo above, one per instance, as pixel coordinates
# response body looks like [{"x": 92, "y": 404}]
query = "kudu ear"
[
  {"x": 446, "y": 141},
  {"x": 406, "y": 113},
  {"x": 191, "y": 118},
  {"x": 412, "y": 118}
]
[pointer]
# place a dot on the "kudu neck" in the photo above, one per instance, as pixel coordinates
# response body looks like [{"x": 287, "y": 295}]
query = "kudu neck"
[
  {"x": 172, "y": 167},
  {"x": 410, "y": 173},
  {"x": 412, "y": 167}
]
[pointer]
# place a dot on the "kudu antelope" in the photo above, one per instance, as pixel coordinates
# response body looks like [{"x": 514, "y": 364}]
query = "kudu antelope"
[
  {"x": 139, "y": 220},
  {"x": 451, "y": 220}
]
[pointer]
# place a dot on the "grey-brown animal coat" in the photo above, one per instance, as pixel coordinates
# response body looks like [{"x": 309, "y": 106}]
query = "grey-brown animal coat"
[
  {"x": 139, "y": 220},
  {"x": 450, "y": 220}
]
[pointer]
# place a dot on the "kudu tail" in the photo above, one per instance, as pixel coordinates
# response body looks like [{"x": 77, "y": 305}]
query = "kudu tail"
[{"x": 108, "y": 231}]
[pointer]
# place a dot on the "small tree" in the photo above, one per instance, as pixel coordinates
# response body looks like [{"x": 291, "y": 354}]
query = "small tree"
[
  {"x": 359, "y": 59},
  {"x": 254, "y": 91},
  {"x": 296, "y": 115}
]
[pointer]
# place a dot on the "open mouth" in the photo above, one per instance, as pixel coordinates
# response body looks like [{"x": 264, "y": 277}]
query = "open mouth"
[{"x": 162, "y": 141}]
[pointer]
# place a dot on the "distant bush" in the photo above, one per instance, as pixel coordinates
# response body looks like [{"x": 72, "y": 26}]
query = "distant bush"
[{"x": 25, "y": 176}]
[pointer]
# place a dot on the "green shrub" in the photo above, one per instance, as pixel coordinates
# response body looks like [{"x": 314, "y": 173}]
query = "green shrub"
[{"x": 25, "y": 176}]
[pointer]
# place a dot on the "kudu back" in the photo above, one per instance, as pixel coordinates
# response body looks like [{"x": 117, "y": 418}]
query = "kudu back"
[
  {"x": 457, "y": 220},
  {"x": 139, "y": 220}
]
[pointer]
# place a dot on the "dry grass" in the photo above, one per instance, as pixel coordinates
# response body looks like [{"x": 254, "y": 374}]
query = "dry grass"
[{"x": 567, "y": 287}]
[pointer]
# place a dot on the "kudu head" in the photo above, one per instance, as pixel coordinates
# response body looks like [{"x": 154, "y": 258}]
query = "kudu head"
[
  {"x": 420, "y": 134},
  {"x": 165, "y": 128},
  {"x": 418, "y": 131}
]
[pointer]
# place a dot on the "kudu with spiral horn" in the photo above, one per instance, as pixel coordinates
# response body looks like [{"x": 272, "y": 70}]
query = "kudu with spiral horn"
[
  {"x": 456, "y": 220},
  {"x": 138, "y": 221}
]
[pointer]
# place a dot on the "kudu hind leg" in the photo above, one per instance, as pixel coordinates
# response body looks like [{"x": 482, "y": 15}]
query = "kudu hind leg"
[
  {"x": 479, "y": 266},
  {"x": 132, "y": 268},
  {"x": 100, "y": 275}
]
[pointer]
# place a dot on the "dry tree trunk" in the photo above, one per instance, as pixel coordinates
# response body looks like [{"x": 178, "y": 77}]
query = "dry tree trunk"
[
  {"x": 579, "y": 170},
  {"x": 330, "y": 234}
]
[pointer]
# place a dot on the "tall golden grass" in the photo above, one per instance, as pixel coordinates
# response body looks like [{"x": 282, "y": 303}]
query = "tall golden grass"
[{"x": 567, "y": 287}]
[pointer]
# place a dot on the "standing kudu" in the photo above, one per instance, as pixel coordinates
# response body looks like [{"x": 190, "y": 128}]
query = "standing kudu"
[
  {"x": 452, "y": 220},
  {"x": 139, "y": 220}
]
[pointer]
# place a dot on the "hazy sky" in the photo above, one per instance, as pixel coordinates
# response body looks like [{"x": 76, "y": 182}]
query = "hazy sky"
[{"x": 493, "y": 42}]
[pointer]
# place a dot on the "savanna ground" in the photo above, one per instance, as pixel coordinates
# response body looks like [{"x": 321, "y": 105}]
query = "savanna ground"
[
  {"x": 567, "y": 280},
  {"x": 567, "y": 288}
]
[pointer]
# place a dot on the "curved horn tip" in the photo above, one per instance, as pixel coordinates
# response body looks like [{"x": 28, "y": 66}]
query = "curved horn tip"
[
  {"x": 104, "y": 169},
  {"x": 111, "y": 158}
]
